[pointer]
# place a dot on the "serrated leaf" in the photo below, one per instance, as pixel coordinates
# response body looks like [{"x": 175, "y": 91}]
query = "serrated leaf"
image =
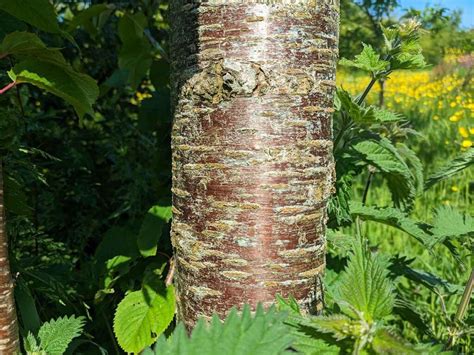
[
  {"x": 460, "y": 163},
  {"x": 264, "y": 333},
  {"x": 385, "y": 157},
  {"x": 143, "y": 315},
  {"x": 338, "y": 325},
  {"x": 80, "y": 90},
  {"x": 57, "y": 334},
  {"x": 152, "y": 228},
  {"x": 391, "y": 217},
  {"x": 38, "y": 13},
  {"x": 367, "y": 60},
  {"x": 449, "y": 223},
  {"x": 364, "y": 289},
  {"x": 386, "y": 342}
]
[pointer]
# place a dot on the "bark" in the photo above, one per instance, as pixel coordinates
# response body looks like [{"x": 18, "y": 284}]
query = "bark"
[
  {"x": 9, "y": 338},
  {"x": 252, "y": 90}
]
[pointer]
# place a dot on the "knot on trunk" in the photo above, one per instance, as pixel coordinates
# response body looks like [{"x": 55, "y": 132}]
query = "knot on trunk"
[{"x": 223, "y": 80}]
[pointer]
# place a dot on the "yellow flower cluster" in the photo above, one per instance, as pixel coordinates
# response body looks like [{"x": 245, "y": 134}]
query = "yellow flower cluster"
[{"x": 421, "y": 95}]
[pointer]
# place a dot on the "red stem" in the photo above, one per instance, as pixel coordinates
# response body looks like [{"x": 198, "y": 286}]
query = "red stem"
[{"x": 8, "y": 87}]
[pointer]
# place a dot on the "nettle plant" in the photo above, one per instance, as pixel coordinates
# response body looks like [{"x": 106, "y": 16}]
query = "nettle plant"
[{"x": 363, "y": 302}]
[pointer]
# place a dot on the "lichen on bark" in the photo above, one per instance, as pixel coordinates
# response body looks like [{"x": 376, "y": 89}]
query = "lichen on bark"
[{"x": 252, "y": 91}]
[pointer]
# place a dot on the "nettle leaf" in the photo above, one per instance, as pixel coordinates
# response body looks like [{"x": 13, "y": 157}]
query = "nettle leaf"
[
  {"x": 78, "y": 89},
  {"x": 136, "y": 52},
  {"x": 460, "y": 163},
  {"x": 367, "y": 60},
  {"x": 382, "y": 155},
  {"x": 57, "y": 334},
  {"x": 38, "y": 13},
  {"x": 392, "y": 217},
  {"x": 362, "y": 114},
  {"x": 152, "y": 228},
  {"x": 263, "y": 333},
  {"x": 338, "y": 325},
  {"x": 143, "y": 315},
  {"x": 414, "y": 163},
  {"x": 449, "y": 223},
  {"x": 385, "y": 342},
  {"x": 364, "y": 290}
]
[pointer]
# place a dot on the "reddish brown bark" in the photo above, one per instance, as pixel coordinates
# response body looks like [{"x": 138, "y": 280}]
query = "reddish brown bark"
[
  {"x": 9, "y": 339},
  {"x": 252, "y": 85}
]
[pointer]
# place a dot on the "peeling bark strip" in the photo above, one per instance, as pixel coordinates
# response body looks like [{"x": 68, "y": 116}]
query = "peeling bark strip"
[
  {"x": 252, "y": 88},
  {"x": 9, "y": 340}
]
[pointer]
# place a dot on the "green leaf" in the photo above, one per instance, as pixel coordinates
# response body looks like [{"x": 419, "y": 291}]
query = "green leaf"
[
  {"x": 16, "y": 201},
  {"x": 160, "y": 74},
  {"x": 364, "y": 290},
  {"x": 385, "y": 157},
  {"x": 264, "y": 333},
  {"x": 10, "y": 24},
  {"x": 57, "y": 334},
  {"x": 78, "y": 89},
  {"x": 38, "y": 13},
  {"x": 142, "y": 316},
  {"x": 117, "y": 241},
  {"x": 152, "y": 228},
  {"x": 339, "y": 326},
  {"x": 460, "y": 163},
  {"x": 136, "y": 52},
  {"x": 27, "y": 44},
  {"x": 31, "y": 345},
  {"x": 26, "y": 307},
  {"x": 391, "y": 217},
  {"x": 449, "y": 223},
  {"x": 85, "y": 18},
  {"x": 387, "y": 343},
  {"x": 367, "y": 60}
]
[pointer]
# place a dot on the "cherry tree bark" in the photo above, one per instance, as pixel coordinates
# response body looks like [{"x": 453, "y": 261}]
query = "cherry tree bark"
[
  {"x": 9, "y": 339},
  {"x": 252, "y": 89}
]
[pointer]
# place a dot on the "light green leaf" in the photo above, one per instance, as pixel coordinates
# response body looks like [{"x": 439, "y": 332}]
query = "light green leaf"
[
  {"x": 142, "y": 316},
  {"x": 449, "y": 223},
  {"x": 152, "y": 228},
  {"x": 57, "y": 334},
  {"x": 339, "y": 326},
  {"x": 264, "y": 333},
  {"x": 387, "y": 343},
  {"x": 391, "y": 217},
  {"x": 367, "y": 60},
  {"x": 364, "y": 290},
  {"x": 38, "y": 13},
  {"x": 80, "y": 90}
]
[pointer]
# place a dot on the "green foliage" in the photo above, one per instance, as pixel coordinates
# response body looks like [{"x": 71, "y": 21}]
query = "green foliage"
[
  {"x": 135, "y": 54},
  {"x": 261, "y": 333},
  {"x": 143, "y": 315},
  {"x": 368, "y": 60},
  {"x": 54, "y": 336},
  {"x": 152, "y": 228},
  {"x": 453, "y": 167},
  {"x": 38, "y": 13},
  {"x": 449, "y": 223}
]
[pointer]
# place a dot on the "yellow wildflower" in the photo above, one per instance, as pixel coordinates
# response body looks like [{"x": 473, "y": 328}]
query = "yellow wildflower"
[
  {"x": 454, "y": 188},
  {"x": 467, "y": 143},
  {"x": 471, "y": 130},
  {"x": 463, "y": 132}
]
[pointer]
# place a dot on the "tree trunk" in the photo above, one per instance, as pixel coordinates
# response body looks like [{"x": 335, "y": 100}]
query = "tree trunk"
[
  {"x": 9, "y": 339},
  {"x": 252, "y": 89}
]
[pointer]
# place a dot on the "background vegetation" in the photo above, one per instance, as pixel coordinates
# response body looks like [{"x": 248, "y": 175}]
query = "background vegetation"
[{"x": 88, "y": 195}]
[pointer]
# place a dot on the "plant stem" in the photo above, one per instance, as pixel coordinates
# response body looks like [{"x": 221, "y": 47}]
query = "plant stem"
[
  {"x": 366, "y": 91},
  {"x": 7, "y": 87},
  {"x": 366, "y": 189},
  {"x": 466, "y": 297}
]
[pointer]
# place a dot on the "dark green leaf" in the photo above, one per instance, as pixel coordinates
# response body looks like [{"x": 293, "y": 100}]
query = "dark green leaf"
[
  {"x": 38, "y": 13},
  {"x": 152, "y": 228}
]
